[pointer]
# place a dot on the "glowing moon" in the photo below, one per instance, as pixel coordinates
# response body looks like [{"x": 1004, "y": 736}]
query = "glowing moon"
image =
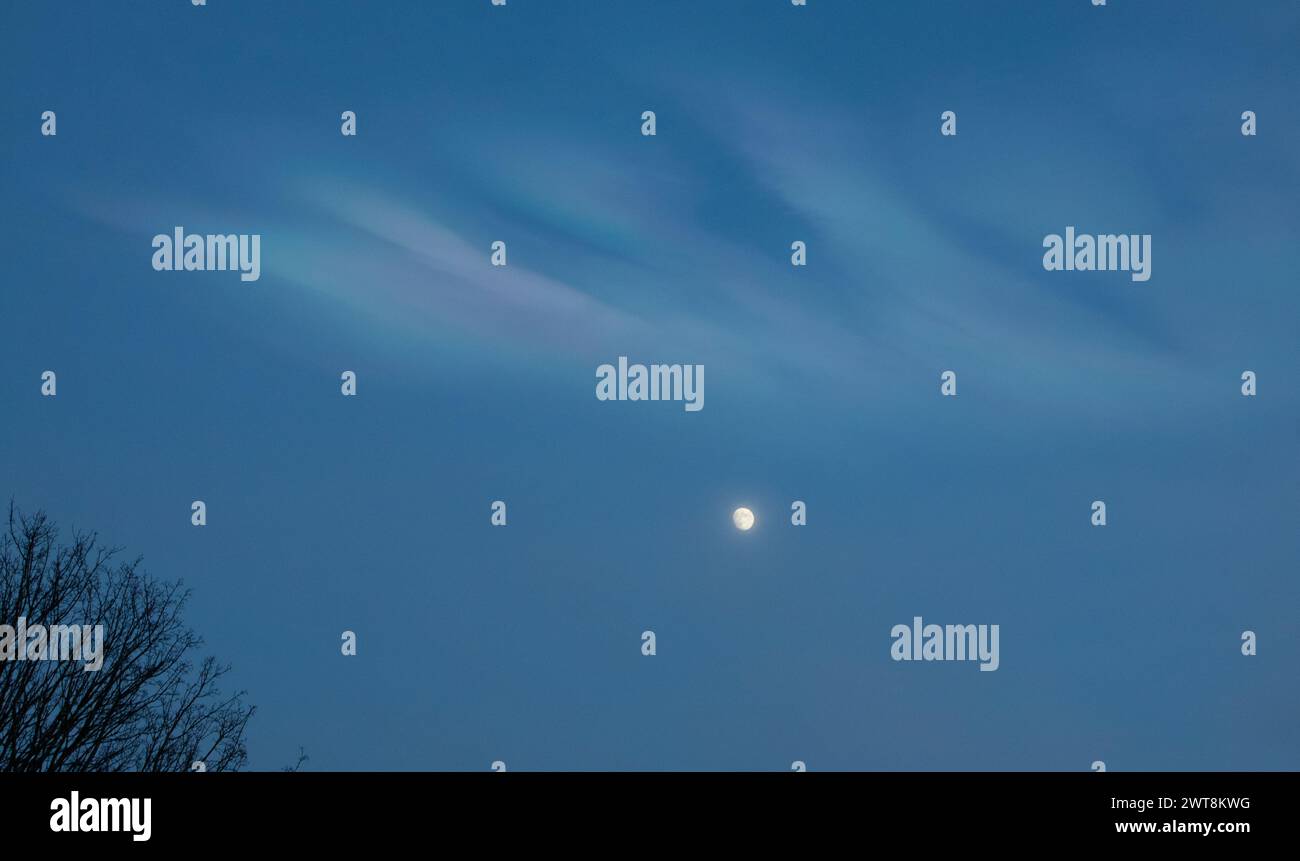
[{"x": 743, "y": 518}]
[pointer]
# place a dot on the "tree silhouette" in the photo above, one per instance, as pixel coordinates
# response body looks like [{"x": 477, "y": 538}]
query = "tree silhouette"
[{"x": 149, "y": 707}]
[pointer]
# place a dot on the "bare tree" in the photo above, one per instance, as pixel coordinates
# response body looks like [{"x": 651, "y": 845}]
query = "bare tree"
[
  {"x": 302, "y": 758},
  {"x": 150, "y": 707}
]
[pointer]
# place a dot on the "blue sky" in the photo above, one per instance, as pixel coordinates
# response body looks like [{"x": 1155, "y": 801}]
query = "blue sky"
[{"x": 775, "y": 123}]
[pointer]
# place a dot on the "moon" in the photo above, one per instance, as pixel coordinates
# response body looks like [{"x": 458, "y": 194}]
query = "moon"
[{"x": 743, "y": 518}]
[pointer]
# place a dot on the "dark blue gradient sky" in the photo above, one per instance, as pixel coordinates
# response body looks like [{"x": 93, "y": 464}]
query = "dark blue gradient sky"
[{"x": 822, "y": 384}]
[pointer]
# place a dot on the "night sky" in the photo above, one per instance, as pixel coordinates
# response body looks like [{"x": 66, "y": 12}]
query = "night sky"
[{"x": 476, "y": 383}]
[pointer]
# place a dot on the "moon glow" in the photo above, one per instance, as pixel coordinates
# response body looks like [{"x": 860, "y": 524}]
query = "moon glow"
[{"x": 743, "y": 518}]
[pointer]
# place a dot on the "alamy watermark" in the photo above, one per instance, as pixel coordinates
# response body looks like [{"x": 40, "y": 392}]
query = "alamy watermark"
[
  {"x": 213, "y": 252},
  {"x": 23, "y": 642},
  {"x": 1104, "y": 252},
  {"x": 653, "y": 383},
  {"x": 946, "y": 643},
  {"x": 74, "y": 813}
]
